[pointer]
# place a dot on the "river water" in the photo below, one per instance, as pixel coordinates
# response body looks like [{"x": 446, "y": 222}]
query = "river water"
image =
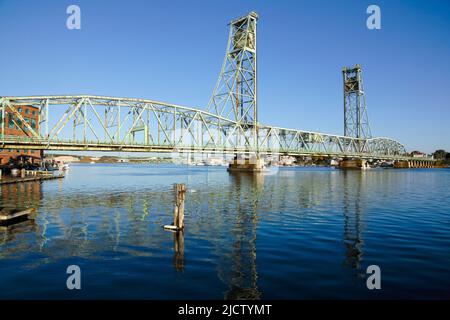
[{"x": 299, "y": 233}]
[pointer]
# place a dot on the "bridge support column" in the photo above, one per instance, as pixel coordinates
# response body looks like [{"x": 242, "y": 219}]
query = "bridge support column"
[
  {"x": 414, "y": 164},
  {"x": 253, "y": 164},
  {"x": 353, "y": 164},
  {"x": 402, "y": 164}
]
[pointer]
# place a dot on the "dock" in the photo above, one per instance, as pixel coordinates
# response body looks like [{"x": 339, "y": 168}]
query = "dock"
[
  {"x": 11, "y": 180},
  {"x": 11, "y": 215}
]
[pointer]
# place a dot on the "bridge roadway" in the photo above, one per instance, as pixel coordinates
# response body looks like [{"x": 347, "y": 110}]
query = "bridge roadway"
[{"x": 99, "y": 123}]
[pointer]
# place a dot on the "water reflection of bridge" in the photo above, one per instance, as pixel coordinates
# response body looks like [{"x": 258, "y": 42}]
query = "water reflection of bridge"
[
  {"x": 353, "y": 219},
  {"x": 227, "y": 216}
]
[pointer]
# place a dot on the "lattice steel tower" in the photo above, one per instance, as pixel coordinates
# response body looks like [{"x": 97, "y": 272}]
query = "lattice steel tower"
[
  {"x": 356, "y": 120},
  {"x": 234, "y": 96}
]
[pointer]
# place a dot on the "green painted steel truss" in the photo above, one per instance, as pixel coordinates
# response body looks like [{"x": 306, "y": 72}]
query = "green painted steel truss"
[
  {"x": 98, "y": 123},
  {"x": 228, "y": 125}
]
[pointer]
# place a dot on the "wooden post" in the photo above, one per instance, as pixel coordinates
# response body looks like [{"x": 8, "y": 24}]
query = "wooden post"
[
  {"x": 175, "y": 211},
  {"x": 180, "y": 195},
  {"x": 178, "y": 208}
]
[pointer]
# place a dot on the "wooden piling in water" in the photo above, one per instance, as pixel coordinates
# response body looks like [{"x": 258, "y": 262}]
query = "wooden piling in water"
[
  {"x": 178, "y": 248},
  {"x": 178, "y": 208},
  {"x": 180, "y": 195}
]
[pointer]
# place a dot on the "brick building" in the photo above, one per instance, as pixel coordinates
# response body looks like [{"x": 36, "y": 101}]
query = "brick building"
[{"x": 14, "y": 126}]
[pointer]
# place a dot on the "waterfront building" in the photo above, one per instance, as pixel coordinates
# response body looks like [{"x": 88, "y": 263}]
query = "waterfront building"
[
  {"x": 13, "y": 126},
  {"x": 65, "y": 159},
  {"x": 419, "y": 155}
]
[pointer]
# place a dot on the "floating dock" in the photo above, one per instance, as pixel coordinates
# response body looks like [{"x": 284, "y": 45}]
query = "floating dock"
[
  {"x": 10, "y": 215},
  {"x": 10, "y": 180}
]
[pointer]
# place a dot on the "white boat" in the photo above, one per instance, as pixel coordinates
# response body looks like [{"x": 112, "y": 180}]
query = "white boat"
[
  {"x": 64, "y": 167},
  {"x": 214, "y": 162},
  {"x": 366, "y": 166}
]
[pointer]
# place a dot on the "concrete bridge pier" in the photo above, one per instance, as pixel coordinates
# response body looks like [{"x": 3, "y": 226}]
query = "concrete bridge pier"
[
  {"x": 413, "y": 164},
  {"x": 358, "y": 164},
  {"x": 246, "y": 164}
]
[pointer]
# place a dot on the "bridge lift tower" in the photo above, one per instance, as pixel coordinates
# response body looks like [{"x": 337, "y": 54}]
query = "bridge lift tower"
[
  {"x": 356, "y": 120},
  {"x": 234, "y": 96}
]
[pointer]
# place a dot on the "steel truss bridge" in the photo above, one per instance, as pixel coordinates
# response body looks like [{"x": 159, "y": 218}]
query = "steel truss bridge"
[
  {"x": 137, "y": 125},
  {"x": 228, "y": 125}
]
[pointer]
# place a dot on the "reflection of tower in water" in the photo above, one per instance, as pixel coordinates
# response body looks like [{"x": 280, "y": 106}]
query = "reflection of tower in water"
[
  {"x": 242, "y": 276},
  {"x": 353, "y": 239}
]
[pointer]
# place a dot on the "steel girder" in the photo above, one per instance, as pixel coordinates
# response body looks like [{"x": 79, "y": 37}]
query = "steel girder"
[
  {"x": 297, "y": 142},
  {"x": 99, "y": 123}
]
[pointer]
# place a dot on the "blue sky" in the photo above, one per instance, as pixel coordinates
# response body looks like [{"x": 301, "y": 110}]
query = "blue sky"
[{"x": 172, "y": 51}]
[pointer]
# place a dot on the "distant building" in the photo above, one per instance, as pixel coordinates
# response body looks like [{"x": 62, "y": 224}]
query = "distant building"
[
  {"x": 65, "y": 159},
  {"x": 14, "y": 127},
  {"x": 418, "y": 154}
]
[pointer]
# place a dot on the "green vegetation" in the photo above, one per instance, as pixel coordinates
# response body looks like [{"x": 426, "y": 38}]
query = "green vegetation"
[{"x": 442, "y": 155}]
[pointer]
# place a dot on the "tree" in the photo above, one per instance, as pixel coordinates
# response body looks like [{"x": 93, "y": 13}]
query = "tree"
[{"x": 440, "y": 154}]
